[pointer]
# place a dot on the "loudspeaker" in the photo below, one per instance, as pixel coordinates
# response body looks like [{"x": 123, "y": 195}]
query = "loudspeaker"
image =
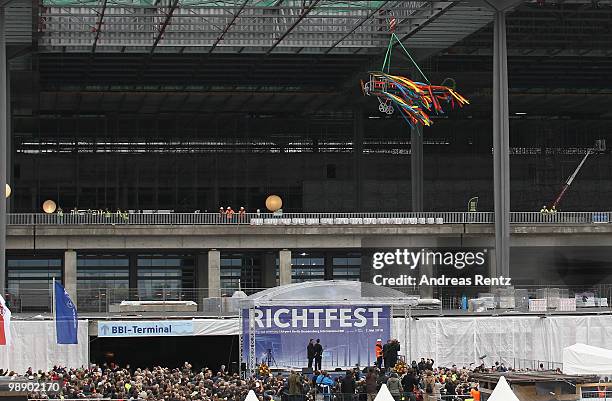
[
  {"x": 307, "y": 371},
  {"x": 233, "y": 367}
]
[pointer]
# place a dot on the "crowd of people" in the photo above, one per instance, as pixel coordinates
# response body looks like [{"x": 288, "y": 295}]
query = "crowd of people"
[
  {"x": 228, "y": 213},
  {"x": 152, "y": 384},
  {"x": 421, "y": 382}
]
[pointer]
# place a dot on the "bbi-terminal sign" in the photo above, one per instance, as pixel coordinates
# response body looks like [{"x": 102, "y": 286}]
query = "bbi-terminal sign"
[{"x": 145, "y": 328}]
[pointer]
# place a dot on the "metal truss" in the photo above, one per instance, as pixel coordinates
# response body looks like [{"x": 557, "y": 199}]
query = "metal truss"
[
  {"x": 241, "y": 360},
  {"x": 249, "y": 26},
  {"x": 252, "y": 364}
]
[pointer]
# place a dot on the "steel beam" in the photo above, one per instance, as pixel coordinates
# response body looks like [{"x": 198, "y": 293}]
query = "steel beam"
[
  {"x": 416, "y": 168},
  {"x": 164, "y": 25},
  {"x": 358, "y": 123},
  {"x": 363, "y": 21},
  {"x": 3, "y": 141},
  {"x": 99, "y": 27},
  {"x": 228, "y": 26},
  {"x": 292, "y": 27},
  {"x": 501, "y": 146}
]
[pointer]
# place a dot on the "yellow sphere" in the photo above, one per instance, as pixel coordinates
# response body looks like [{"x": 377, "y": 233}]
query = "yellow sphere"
[
  {"x": 273, "y": 203},
  {"x": 49, "y": 206},
  {"x": 8, "y": 190}
]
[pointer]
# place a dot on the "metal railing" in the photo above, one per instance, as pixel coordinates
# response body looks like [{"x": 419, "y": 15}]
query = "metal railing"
[
  {"x": 220, "y": 303},
  {"x": 204, "y": 301},
  {"x": 596, "y": 395},
  {"x": 300, "y": 219},
  {"x": 452, "y": 299},
  {"x": 534, "y": 365}
]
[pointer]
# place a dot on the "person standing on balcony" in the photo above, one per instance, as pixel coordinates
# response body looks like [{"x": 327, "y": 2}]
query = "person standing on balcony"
[{"x": 229, "y": 213}]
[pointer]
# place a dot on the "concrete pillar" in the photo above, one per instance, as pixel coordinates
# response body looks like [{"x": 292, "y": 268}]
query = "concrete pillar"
[
  {"x": 214, "y": 273},
  {"x": 268, "y": 270},
  {"x": 492, "y": 262},
  {"x": 416, "y": 167},
  {"x": 201, "y": 277},
  {"x": 492, "y": 266},
  {"x": 329, "y": 266},
  {"x": 284, "y": 267},
  {"x": 70, "y": 274},
  {"x": 357, "y": 153},
  {"x": 425, "y": 269},
  {"x": 133, "y": 276},
  {"x": 501, "y": 145}
]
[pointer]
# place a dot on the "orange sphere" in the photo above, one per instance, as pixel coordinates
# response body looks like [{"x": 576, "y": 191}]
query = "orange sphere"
[
  {"x": 273, "y": 203},
  {"x": 49, "y": 206}
]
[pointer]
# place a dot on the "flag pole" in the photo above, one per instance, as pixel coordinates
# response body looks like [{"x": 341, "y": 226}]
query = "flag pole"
[
  {"x": 53, "y": 306},
  {"x": 53, "y": 299}
]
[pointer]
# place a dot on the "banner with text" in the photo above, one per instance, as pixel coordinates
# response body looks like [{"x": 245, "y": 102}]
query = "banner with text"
[
  {"x": 157, "y": 328},
  {"x": 347, "y": 334}
]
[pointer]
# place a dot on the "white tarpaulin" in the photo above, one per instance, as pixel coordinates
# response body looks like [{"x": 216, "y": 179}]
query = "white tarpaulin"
[
  {"x": 33, "y": 345},
  {"x": 513, "y": 340},
  {"x": 502, "y": 392},
  {"x": 582, "y": 359},
  {"x": 216, "y": 327}
]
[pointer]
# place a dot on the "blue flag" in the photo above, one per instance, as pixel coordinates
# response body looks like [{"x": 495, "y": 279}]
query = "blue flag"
[{"x": 66, "y": 319}]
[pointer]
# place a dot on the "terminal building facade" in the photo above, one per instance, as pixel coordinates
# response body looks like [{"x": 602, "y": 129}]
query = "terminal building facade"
[
  {"x": 147, "y": 117},
  {"x": 148, "y": 122}
]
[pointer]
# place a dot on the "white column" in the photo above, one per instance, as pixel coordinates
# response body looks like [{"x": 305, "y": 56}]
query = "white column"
[
  {"x": 214, "y": 273},
  {"x": 284, "y": 267},
  {"x": 70, "y": 274}
]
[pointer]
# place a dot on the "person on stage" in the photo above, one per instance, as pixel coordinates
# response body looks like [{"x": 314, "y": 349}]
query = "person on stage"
[
  {"x": 378, "y": 350},
  {"x": 392, "y": 353},
  {"x": 310, "y": 350},
  {"x": 318, "y": 354},
  {"x": 386, "y": 355}
]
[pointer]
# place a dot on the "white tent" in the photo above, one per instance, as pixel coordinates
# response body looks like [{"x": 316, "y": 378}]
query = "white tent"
[
  {"x": 502, "y": 392},
  {"x": 251, "y": 396},
  {"x": 582, "y": 359},
  {"x": 384, "y": 394}
]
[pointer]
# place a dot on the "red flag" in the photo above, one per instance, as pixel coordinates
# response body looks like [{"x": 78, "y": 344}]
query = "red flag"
[{"x": 5, "y": 323}]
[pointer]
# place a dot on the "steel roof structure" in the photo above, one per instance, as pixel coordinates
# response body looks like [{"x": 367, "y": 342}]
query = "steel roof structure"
[{"x": 249, "y": 26}]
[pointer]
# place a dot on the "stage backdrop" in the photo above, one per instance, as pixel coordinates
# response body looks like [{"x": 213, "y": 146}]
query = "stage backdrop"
[{"x": 347, "y": 333}]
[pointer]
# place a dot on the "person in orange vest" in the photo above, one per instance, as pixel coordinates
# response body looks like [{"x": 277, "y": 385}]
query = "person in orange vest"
[
  {"x": 378, "y": 349},
  {"x": 475, "y": 393},
  {"x": 229, "y": 213}
]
